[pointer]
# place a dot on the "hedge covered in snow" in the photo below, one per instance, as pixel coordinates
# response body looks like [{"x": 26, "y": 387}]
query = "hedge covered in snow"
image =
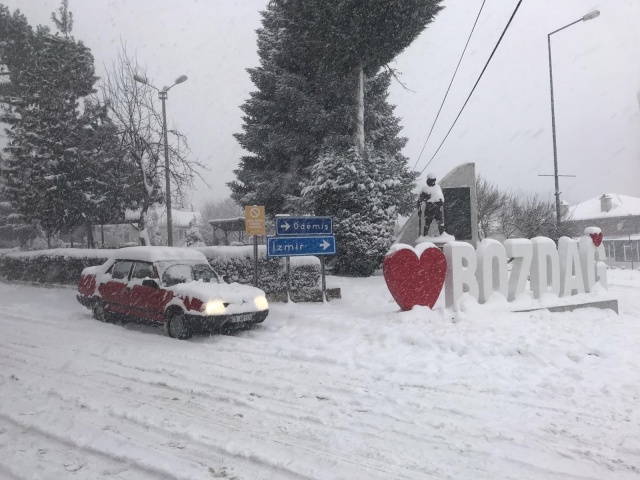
[
  {"x": 58, "y": 266},
  {"x": 237, "y": 264},
  {"x": 63, "y": 266}
]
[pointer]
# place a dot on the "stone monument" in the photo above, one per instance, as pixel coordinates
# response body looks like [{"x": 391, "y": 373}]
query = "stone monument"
[{"x": 459, "y": 211}]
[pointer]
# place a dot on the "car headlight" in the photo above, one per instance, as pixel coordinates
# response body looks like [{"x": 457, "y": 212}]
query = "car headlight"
[
  {"x": 214, "y": 307},
  {"x": 261, "y": 303}
]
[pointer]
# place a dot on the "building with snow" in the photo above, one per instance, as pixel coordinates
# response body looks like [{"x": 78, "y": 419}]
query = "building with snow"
[{"x": 618, "y": 216}]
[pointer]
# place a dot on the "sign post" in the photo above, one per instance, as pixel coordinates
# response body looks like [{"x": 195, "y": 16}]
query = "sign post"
[
  {"x": 254, "y": 225},
  {"x": 297, "y": 236}
]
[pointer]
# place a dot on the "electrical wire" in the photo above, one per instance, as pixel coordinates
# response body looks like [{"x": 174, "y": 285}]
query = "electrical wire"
[
  {"x": 474, "y": 87},
  {"x": 450, "y": 83}
]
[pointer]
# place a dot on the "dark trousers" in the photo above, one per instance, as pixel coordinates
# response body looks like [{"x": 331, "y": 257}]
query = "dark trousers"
[{"x": 432, "y": 212}]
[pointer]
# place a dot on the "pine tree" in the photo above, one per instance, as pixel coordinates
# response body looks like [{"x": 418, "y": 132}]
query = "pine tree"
[
  {"x": 354, "y": 39},
  {"x": 297, "y": 111},
  {"x": 13, "y": 229},
  {"x": 62, "y": 169},
  {"x": 283, "y": 124},
  {"x": 64, "y": 24},
  {"x": 104, "y": 177},
  {"x": 307, "y": 119},
  {"x": 15, "y": 35}
]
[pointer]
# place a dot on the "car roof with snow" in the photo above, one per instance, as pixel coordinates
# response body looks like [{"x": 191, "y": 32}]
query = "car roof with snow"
[{"x": 158, "y": 254}]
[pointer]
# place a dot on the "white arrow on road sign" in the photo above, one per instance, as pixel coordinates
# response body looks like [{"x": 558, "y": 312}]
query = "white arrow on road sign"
[
  {"x": 286, "y": 226},
  {"x": 325, "y": 245}
]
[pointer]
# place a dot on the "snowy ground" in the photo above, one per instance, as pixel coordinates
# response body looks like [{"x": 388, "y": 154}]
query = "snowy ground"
[{"x": 349, "y": 390}]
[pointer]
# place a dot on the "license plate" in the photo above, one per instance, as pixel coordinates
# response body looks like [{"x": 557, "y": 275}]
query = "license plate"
[{"x": 245, "y": 317}]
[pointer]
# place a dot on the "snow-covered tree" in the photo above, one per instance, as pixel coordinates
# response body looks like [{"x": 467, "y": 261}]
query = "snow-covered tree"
[
  {"x": 45, "y": 128},
  {"x": 63, "y": 168},
  {"x": 64, "y": 23},
  {"x": 156, "y": 237},
  {"x": 284, "y": 123},
  {"x": 298, "y": 111},
  {"x": 194, "y": 237},
  {"x": 362, "y": 191},
  {"x": 15, "y": 37},
  {"x": 353, "y": 39},
  {"x": 300, "y": 124}
]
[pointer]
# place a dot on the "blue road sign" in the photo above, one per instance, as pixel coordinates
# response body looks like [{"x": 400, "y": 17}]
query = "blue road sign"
[
  {"x": 298, "y": 246},
  {"x": 304, "y": 226}
]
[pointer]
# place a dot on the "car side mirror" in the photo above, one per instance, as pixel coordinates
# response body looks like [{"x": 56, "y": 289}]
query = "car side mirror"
[
  {"x": 150, "y": 283},
  {"x": 225, "y": 278}
]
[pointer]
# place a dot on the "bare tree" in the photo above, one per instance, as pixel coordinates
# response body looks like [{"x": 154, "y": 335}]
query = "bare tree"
[
  {"x": 491, "y": 200},
  {"x": 134, "y": 109},
  {"x": 530, "y": 217}
]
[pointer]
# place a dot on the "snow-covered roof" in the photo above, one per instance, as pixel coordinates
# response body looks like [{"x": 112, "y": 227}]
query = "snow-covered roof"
[
  {"x": 181, "y": 218},
  {"x": 157, "y": 254},
  {"x": 632, "y": 237},
  {"x": 64, "y": 252},
  {"x": 222, "y": 220},
  {"x": 621, "y": 206}
]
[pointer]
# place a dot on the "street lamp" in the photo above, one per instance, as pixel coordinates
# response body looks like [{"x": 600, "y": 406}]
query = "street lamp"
[
  {"x": 163, "y": 97},
  {"x": 588, "y": 16}
]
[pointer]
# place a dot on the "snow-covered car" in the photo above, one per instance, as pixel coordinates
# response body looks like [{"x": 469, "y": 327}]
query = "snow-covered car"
[{"x": 173, "y": 286}]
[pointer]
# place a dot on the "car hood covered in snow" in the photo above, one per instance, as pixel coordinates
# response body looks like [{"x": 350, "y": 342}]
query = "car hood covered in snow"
[{"x": 234, "y": 293}]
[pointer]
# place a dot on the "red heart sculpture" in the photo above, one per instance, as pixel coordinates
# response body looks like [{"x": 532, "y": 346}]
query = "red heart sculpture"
[
  {"x": 597, "y": 238},
  {"x": 415, "y": 281}
]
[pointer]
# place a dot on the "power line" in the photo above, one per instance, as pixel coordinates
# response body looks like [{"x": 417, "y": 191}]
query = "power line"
[
  {"x": 474, "y": 87},
  {"x": 450, "y": 83}
]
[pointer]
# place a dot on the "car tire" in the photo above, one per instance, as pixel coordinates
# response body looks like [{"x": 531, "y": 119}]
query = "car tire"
[
  {"x": 102, "y": 314},
  {"x": 176, "y": 326},
  {"x": 99, "y": 310}
]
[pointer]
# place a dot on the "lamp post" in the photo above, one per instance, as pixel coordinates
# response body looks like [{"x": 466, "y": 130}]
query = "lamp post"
[
  {"x": 163, "y": 97},
  {"x": 588, "y": 16}
]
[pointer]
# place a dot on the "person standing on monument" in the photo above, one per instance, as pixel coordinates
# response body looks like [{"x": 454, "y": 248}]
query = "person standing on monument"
[{"x": 430, "y": 203}]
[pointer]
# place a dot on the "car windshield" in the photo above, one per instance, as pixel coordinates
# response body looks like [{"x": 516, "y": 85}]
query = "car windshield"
[{"x": 183, "y": 273}]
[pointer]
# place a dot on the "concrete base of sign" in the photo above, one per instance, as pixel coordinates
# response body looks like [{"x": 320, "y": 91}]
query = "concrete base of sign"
[
  {"x": 304, "y": 295},
  {"x": 438, "y": 241},
  {"x": 602, "y": 304}
]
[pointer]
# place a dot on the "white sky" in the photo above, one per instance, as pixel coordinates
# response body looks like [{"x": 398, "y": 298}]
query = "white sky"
[{"x": 505, "y": 128}]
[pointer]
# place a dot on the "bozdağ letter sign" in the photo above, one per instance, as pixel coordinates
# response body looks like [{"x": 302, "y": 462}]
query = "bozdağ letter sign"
[{"x": 416, "y": 276}]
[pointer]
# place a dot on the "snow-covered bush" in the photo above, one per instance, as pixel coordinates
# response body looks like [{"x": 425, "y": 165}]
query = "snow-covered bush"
[
  {"x": 194, "y": 237},
  {"x": 236, "y": 263},
  {"x": 156, "y": 237},
  {"x": 38, "y": 243},
  {"x": 61, "y": 266}
]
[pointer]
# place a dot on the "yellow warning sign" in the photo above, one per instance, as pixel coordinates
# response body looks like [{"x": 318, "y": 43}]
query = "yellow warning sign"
[{"x": 254, "y": 220}]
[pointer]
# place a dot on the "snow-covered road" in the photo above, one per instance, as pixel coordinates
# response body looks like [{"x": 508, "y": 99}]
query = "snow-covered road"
[{"x": 348, "y": 390}]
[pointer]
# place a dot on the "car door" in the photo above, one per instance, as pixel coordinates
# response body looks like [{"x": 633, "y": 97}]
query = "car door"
[
  {"x": 147, "y": 301},
  {"x": 115, "y": 292}
]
